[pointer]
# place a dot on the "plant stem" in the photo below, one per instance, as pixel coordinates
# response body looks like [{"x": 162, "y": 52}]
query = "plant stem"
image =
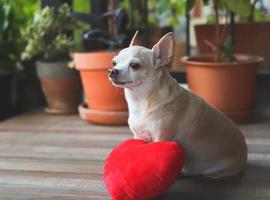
[
  {"x": 251, "y": 16},
  {"x": 225, "y": 29},
  {"x": 217, "y": 38},
  {"x": 111, "y": 21}
]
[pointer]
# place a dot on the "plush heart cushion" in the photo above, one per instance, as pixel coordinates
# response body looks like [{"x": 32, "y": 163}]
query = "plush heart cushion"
[{"x": 137, "y": 170}]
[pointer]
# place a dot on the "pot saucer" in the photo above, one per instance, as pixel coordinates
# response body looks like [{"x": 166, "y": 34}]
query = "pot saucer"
[
  {"x": 103, "y": 117},
  {"x": 60, "y": 111}
]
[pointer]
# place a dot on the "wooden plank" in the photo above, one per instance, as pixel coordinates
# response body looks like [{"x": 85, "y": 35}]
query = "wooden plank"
[
  {"x": 44, "y": 122},
  {"x": 55, "y": 152},
  {"x": 80, "y": 181},
  {"x": 52, "y": 184},
  {"x": 8, "y": 191},
  {"x": 66, "y": 128},
  {"x": 45, "y": 135},
  {"x": 201, "y": 188},
  {"x": 65, "y": 140},
  {"x": 51, "y": 165}
]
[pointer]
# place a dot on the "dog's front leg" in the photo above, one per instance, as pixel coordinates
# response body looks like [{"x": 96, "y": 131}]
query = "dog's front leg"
[
  {"x": 143, "y": 135},
  {"x": 163, "y": 134}
]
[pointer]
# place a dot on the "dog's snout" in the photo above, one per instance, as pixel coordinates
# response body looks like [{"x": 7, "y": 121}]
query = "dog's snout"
[{"x": 113, "y": 72}]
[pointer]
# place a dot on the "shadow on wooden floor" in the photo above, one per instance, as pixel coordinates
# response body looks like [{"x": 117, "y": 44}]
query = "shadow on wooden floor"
[{"x": 252, "y": 184}]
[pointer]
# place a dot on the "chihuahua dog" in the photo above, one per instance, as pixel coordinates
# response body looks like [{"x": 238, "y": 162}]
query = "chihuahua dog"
[{"x": 162, "y": 110}]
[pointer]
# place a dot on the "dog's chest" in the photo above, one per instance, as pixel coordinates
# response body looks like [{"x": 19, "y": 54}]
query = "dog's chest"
[
  {"x": 142, "y": 129},
  {"x": 149, "y": 126}
]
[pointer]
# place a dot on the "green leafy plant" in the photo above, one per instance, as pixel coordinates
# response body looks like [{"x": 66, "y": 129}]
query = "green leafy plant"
[
  {"x": 8, "y": 38},
  {"x": 223, "y": 47},
  {"x": 134, "y": 9},
  {"x": 166, "y": 12},
  {"x": 45, "y": 35},
  {"x": 81, "y": 6},
  {"x": 161, "y": 13},
  {"x": 107, "y": 30},
  {"x": 260, "y": 14},
  {"x": 24, "y": 11},
  {"x": 13, "y": 16}
]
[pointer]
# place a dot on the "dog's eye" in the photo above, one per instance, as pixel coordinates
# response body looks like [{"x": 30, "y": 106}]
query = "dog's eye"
[
  {"x": 134, "y": 65},
  {"x": 113, "y": 63}
]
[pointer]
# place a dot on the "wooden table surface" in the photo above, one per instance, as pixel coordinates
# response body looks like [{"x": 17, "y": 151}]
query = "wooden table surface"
[{"x": 46, "y": 156}]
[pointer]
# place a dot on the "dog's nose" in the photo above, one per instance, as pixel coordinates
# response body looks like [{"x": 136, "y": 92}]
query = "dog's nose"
[{"x": 113, "y": 72}]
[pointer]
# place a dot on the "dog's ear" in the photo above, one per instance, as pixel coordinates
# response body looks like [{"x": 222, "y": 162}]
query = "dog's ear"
[
  {"x": 133, "y": 40},
  {"x": 163, "y": 50}
]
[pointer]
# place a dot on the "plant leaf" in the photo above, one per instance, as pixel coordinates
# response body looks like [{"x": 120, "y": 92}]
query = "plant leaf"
[
  {"x": 206, "y": 2},
  {"x": 227, "y": 49},
  {"x": 88, "y": 18},
  {"x": 241, "y": 7}
]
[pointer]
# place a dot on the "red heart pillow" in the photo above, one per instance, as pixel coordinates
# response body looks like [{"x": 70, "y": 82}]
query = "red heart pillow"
[{"x": 137, "y": 170}]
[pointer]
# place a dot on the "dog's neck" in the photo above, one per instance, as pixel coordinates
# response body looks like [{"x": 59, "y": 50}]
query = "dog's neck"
[{"x": 153, "y": 92}]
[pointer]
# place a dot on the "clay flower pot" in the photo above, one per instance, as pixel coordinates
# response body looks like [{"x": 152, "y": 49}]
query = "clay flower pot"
[
  {"x": 230, "y": 87},
  {"x": 101, "y": 95},
  {"x": 61, "y": 86},
  {"x": 256, "y": 42}
]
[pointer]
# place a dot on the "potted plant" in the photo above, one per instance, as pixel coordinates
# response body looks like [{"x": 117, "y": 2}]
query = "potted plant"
[
  {"x": 256, "y": 24},
  {"x": 152, "y": 18},
  {"x": 105, "y": 103},
  {"x": 9, "y": 32},
  {"x": 47, "y": 42},
  {"x": 163, "y": 17},
  {"x": 224, "y": 79}
]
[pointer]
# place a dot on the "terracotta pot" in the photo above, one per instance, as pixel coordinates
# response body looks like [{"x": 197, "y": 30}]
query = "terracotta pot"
[
  {"x": 101, "y": 95},
  {"x": 256, "y": 42},
  {"x": 61, "y": 86},
  {"x": 230, "y": 87}
]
